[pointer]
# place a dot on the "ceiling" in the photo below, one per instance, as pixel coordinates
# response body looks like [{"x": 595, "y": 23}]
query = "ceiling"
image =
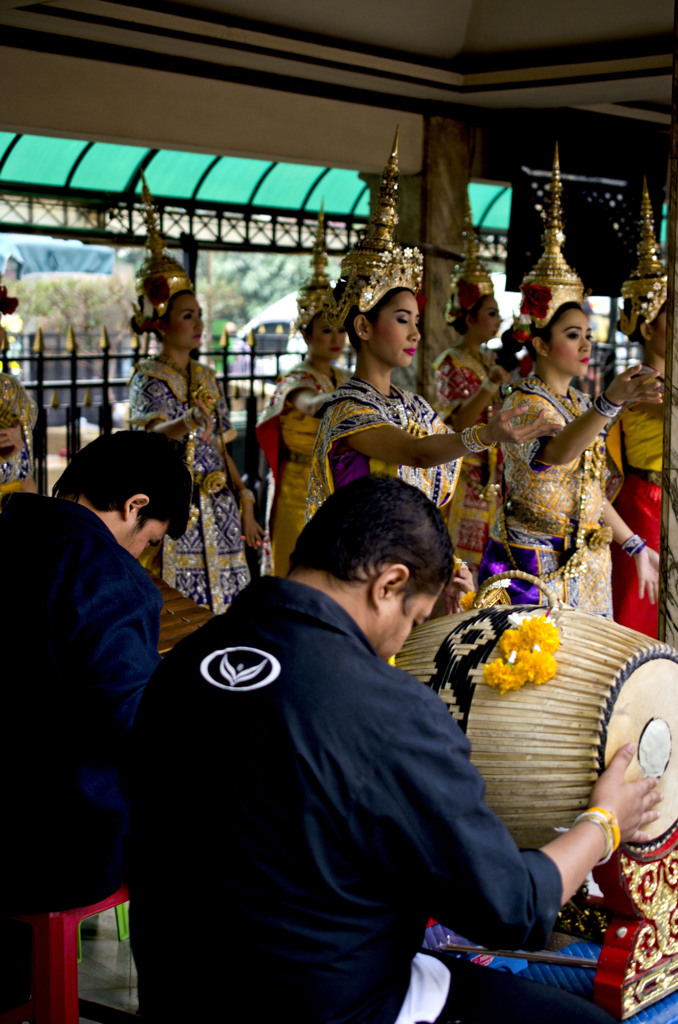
[{"x": 323, "y": 81}]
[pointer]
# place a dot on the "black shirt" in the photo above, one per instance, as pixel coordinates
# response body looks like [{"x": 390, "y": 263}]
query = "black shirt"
[{"x": 317, "y": 805}]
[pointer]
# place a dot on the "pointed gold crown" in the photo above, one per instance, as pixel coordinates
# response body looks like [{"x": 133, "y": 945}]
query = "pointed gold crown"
[
  {"x": 15, "y": 405},
  {"x": 470, "y": 281},
  {"x": 316, "y": 291},
  {"x": 377, "y": 263},
  {"x": 160, "y": 276},
  {"x": 646, "y": 288},
  {"x": 551, "y": 282}
]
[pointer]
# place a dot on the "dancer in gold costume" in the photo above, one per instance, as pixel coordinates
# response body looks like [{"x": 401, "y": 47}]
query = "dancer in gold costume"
[
  {"x": 467, "y": 381},
  {"x": 288, "y": 427},
  {"x": 555, "y": 521},
  {"x": 18, "y": 414},
  {"x": 370, "y": 426},
  {"x": 175, "y": 395},
  {"x": 642, "y": 425}
]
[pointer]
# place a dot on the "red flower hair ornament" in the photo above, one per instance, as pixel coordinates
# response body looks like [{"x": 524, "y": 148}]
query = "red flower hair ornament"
[
  {"x": 7, "y": 305},
  {"x": 536, "y": 298},
  {"x": 157, "y": 290},
  {"x": 467, "y": 295}
]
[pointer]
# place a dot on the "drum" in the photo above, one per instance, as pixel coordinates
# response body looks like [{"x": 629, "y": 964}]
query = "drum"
[{"x": 540, "y": 748}]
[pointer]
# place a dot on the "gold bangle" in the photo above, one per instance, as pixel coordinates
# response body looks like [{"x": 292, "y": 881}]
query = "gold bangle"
[
  {"x": 478, "y": 440},
  {"x": 245, "y": 494},
  {"x": 614, "y": 824},
  {"x": 607, "y": 822}
]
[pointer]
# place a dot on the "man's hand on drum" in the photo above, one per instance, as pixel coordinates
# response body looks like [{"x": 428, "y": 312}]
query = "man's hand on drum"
[
  {"x": 633, "y": 803},
  {"x": 502, "y": 428}
]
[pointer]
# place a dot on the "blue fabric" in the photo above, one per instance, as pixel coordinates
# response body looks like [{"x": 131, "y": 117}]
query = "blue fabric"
[
  {"x": 81, "y": 624},
  {"x": 326, "y": 813}
]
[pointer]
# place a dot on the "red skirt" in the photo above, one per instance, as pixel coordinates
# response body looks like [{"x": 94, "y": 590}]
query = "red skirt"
[{"x": 639, "y": 505}]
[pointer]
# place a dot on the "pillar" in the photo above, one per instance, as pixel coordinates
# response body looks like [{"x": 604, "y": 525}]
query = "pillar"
[{"x": 668, "y": 576}]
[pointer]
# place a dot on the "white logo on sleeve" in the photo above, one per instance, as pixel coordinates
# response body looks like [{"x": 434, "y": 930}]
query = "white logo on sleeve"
[{"x": 239, "y": 668}]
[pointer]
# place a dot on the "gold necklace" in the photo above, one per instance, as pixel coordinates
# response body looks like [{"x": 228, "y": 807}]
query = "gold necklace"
[{"x": 569, "y": 400}]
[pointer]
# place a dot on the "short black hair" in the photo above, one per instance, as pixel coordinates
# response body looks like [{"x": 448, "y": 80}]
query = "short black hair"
[
  {"x": 373, "y": 522},
  {"x": 371, "y": 314},
  {"x": 112, "y": 468},
  {"x": 545, "y": 332}
]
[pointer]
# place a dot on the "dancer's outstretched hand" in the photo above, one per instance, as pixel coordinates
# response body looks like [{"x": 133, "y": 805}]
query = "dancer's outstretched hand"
[{"x": 502, "y": 428}]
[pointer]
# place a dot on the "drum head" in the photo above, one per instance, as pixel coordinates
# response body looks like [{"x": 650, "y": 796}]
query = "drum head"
[{"x": 644, "y": 711}]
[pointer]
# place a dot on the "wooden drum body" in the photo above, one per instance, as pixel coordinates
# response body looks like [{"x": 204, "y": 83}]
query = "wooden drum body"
[{"x": 541, "y": 748}]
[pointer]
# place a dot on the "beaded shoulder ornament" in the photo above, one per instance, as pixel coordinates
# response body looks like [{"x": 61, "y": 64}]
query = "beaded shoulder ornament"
[
  {"x": 316, "y": 291},
  {"x": 470, "y": 280},
  {"x": 646, "y": 288},
  {"x": 552, "y": 281},
  {"x": 377, "y": 263}
]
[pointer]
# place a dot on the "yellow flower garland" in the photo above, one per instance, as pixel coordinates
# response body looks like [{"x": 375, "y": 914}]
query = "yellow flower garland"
[{"x": 527, "y": 655}]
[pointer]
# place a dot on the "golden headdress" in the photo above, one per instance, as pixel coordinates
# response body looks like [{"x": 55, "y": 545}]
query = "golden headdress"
[
  {"x": 646, "y": 288},
  {"x": 316, "y": 291},
  {"x": 377, "y": 263},
  {"x": 470, "y": 281},
  {"x": 160, "y": 276},
  {"x": 551, "y": 282},
  {"x": 15, "y": 405}
]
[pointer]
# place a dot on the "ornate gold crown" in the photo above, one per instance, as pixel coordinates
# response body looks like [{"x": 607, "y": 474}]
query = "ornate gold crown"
[
  {"x": 470, "y": 281},
  {"x": 316, "y": 291},
  {"x": 377, "y": 263},
  {"x": 15, "y": 405},
  {"x": 551, "y": 282},
  {"x": 160, "y": 276},
  {"x": 646, "y": 288}
]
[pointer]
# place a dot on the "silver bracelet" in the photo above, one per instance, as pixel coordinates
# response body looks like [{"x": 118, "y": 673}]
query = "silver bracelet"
[
  {"x": 605, "y": 407},
  {"x": 468, "y": 439},
  {"x": 633, "y": 545}
]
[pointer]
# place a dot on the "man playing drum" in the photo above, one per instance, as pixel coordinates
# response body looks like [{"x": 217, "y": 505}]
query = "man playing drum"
[{"x": 315, "y": 805}]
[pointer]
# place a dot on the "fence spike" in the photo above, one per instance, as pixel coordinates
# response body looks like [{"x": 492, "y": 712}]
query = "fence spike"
[
  {"x": 104, "y": 342},
  {"x": 55, "y": 400},
  {"x": 88, "y": 399},
  {"x": 223, "y": 340},
  {"x": 71, "y": 344},
  {"x": 39, "y": 341},
  {"x": 134, "y": 345}
]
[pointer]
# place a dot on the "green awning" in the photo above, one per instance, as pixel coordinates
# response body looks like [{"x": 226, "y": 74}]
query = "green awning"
[{"x": 104, "y": 167}]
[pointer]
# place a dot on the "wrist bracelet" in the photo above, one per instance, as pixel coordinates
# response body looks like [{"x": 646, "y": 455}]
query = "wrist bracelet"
[
  {"x": 246, "y": 494},
  {"x": 604, "y": 407},
  {"x": 633, "y": 545},
  {"x": 471, "y": 440},
  {"x": 489, "y": 385},
  {"x": 606, "y": 821}
]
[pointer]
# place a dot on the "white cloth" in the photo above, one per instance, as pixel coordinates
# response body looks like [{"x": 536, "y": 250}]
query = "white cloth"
[{"x": 428, "y": 990}]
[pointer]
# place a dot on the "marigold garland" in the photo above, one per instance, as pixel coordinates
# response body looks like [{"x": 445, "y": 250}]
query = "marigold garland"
[{"x": 527, "y": 654}]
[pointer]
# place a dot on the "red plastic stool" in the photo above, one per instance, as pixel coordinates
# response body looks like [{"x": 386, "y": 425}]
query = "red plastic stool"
[{"x": 54, "y": 970}]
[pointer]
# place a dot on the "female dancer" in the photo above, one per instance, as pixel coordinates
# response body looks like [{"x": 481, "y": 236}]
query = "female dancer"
[
  {"x": 18, "y": 414},
  {"x": 642, "y": 424},
  {"x": 555, "y": 521},
  {"x": 287, "y": 428},
  {"x": 370, "y": 426},
  {"x": 467, "y": 380},
  {"x": 178, "y": 396}
]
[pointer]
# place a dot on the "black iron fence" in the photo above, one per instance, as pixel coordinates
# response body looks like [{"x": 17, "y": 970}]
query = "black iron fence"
[{"x": 80, "y": 385}]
